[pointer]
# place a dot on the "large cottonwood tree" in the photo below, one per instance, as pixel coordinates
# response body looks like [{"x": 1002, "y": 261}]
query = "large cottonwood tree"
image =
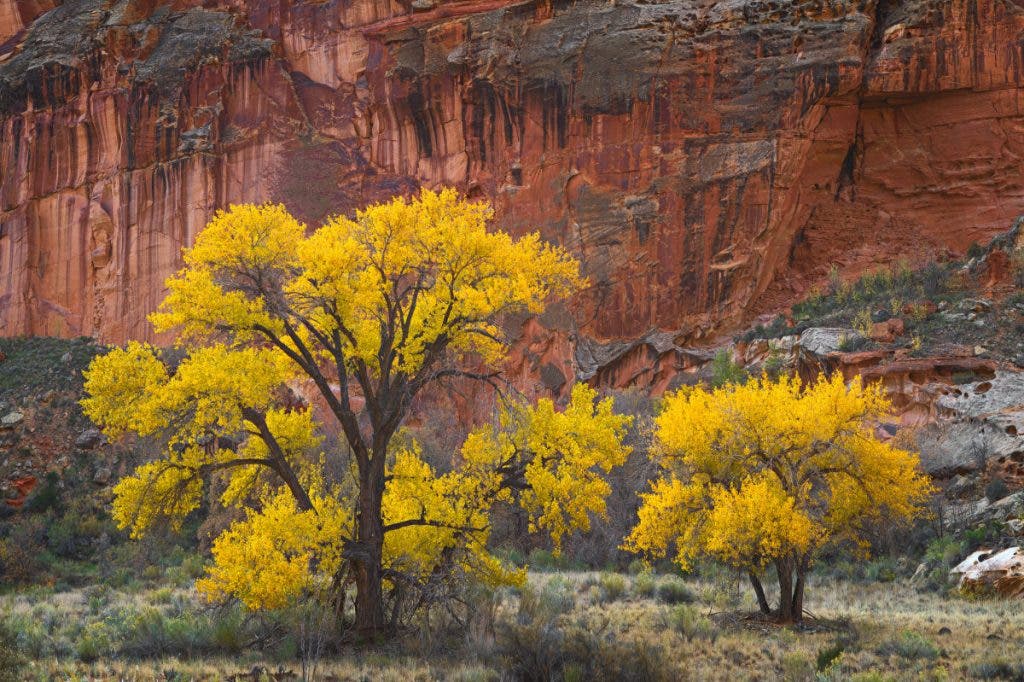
[
  {"x": 769, "y": 474},
  {"x": 368, "y": 312}
]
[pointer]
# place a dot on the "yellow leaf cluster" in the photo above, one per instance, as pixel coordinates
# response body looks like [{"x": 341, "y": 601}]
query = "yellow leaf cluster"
[
  {"x": 563, "y": 456},
  {"x": 278, "y": 552},
  {"x": 389, "y": 284},
  {"x": 205, "y": 398}
]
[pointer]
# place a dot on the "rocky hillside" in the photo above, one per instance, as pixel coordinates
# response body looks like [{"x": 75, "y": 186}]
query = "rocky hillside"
[{"x": 707, "y": 160}]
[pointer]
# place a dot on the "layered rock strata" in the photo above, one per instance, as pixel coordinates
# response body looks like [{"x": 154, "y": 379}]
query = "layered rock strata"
[{"x": 707, "y": 160}]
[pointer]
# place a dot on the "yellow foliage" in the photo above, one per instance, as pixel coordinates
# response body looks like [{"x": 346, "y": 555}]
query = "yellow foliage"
[
  {"x": 366, "y": 310},
  {"x": 423, "y": 270},
  {"x": 773, "y": 469},
  {"x": 268, "y": 559},
  {"x": 155, "y": 490}
]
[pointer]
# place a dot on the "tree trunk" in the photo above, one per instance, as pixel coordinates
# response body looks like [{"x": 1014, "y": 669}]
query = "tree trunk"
[
  {"x": 367, "y": 554},
  {"x": 762, "y": 600},
  {"x": 785, "y": 572},
  {"x": 798, "y": 592}
]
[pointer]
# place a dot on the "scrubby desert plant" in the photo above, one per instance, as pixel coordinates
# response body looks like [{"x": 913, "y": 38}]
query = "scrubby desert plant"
[
  {"x": 12, "y": 661},
  {"x": 909, "y": 645}
]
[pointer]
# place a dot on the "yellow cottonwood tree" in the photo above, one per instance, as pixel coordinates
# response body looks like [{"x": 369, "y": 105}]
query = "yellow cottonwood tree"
[
  {"x": 367, "y": 312},
  {"x": 770, "y": 473}
]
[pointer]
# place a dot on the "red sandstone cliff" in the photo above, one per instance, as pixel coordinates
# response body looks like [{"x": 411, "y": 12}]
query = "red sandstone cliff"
[{"x": 707, "y": 160}]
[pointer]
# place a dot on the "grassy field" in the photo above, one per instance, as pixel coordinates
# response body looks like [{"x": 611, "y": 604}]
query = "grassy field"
[{"x": 572, "y": 626}]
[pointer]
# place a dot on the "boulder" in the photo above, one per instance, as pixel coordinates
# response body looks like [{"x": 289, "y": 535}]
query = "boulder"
[
  {"x": 102, "y": 475},
  {"x": 887, "y": 331},
  {"x": 89, "y": 439},
  {"x": 821, "y": 341},
  {"x": 1000, "y": 572},
  {"x": 11, "y": 419}
]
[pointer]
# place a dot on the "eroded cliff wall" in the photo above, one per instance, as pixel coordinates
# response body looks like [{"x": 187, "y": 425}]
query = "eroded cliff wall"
[{"x": 707, "y": 160}]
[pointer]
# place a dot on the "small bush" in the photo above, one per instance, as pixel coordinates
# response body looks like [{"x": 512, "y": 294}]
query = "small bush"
[
  {"x": 544, "y": 651},
  {"x": 31, "y": 633},
  {"x": 881, "y": 570},
  {"x": 547, "y": 603},
  {"x": 797, "y": 668},
  {"x": 149, "y": 634},
  {"x": 644, "y": 585},
  {"x": 636, "y": 567},
  {"x": 73, "y": 534},
  {"x": 12, "y": 661},
  {"x": 613, "y": 586},
  {"x": 724, "y": 371},
  {"x": 675, "y": 591},
  {"x": 997, "y": 670},
  {"x": 692, "y": 624},
  {"x": 996, "y": 489},
  {"x": 852, "y": 343},
  {"x": 911, "y": 646},
  {"x": 532, "y": 651},
  {"x": 93, "y": 642},
  {"x": 827, "y": 656},
  {"x": 543, "y": 560},
  {"x": 228, "y": 632},
  {"x": 610, "y": 658}
]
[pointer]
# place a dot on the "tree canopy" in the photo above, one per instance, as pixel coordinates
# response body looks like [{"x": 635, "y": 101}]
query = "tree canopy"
[
  {"x": 770, "y": 473},
  {"x": 362, "y": 313}
]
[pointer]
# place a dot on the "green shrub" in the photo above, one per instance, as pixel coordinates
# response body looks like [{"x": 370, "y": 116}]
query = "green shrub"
[
  {"x": 612, "y": 658},
  {"x": 73, "y": 533},
  {"x": 644, "y": 584},
  {"x": 228, "y": 634},
  {"x": 797, "y": 668},
  {"x": 692, "y": 624},
  {"x": 827, "y": 656},
  {"x": 882, "y": 570},
  {"x": 613, "y": 586},
  {"x": 996, "y": 489},
  {"x": 543, "y": 560},
  {"x": 31, "y": 636},
  {"x": 546, "y": 603},
  {"x": 12, "y": 661},
  {"x": 725, "y": 371},
  {"x": 149, "y": 633},
  {"x": 533, "y": 650},
  {"x": 774, "y": 365},
  {"x": 852, "y": 343},
  {"x": 870, "y": 676},
  {"x": 93, "y": 642},
  {"x": 542, "y": 650},
  {"x": 999, "y": 669},
  {"x": 636, "y": 567},
  {"x": 909, "y": 645},
  {"x": 675, "y": 591},
  {"x": 164, "y": 595},
  {"x": 45, "y": 496}
]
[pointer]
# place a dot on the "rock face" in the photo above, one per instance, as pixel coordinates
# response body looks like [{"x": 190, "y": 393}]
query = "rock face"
[{"x": 707, "y": 160}]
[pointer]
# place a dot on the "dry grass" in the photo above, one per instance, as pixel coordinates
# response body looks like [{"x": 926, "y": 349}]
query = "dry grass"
[{"x": 863, "y": 631}]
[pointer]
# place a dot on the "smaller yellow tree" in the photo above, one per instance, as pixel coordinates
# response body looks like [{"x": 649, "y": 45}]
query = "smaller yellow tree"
[{"x": 771, "y": 473}]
